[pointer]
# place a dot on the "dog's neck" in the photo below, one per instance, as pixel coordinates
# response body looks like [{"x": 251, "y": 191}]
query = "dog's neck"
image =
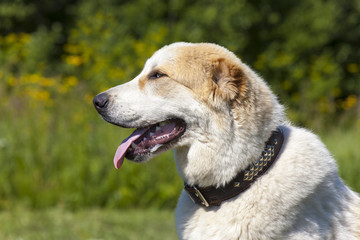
[
  {"x": 213, "y": 196},
  {"x": 202, "y": 166}
]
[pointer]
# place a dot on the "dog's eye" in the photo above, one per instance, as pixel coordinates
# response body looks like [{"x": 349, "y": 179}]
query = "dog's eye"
[{"x": 156, "y": 75}]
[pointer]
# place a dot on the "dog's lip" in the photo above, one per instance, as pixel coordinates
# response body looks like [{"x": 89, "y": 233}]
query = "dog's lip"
[{"x": 146, "y": 140}]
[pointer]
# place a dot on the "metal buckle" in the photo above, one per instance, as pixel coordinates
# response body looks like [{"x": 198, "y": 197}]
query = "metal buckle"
[
  {"x": 197, "y": 194},
  {"x": 201, "y": 197}
]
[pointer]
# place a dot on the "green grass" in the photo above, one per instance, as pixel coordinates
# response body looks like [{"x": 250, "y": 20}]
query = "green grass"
[
  {"x": 344, "y": 144},
  {"x": 57, "y": 223}
]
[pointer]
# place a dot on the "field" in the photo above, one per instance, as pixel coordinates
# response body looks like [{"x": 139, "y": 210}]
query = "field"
[
  {"x": 91, "y": 224},
  {"x": 344, "y": 144}
]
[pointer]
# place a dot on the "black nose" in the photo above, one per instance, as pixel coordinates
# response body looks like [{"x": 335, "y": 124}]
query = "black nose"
[{"x": 101, "y": 101}]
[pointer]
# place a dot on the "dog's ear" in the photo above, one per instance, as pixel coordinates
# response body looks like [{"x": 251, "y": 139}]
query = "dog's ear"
[{"x": 229, "y": 78}]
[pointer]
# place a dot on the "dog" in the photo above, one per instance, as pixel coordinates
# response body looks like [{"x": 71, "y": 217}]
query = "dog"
[{"x": 248, "y": 172}]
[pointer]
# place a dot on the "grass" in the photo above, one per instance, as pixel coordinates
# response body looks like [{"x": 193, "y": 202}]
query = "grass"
[
  {"x": 344, "y": 144},
  {"x": 57, "y": 223}
]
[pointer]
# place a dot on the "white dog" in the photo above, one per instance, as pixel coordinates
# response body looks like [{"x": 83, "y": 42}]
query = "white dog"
[{"x": 249, "y": 174}]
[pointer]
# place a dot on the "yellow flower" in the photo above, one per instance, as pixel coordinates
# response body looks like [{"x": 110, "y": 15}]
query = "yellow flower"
[
  {"x": 11, "y": 81},
  {"x": 10, "y": 38},
  {"x": 71, "y": 81},
  {"x": 349, "y": 102},
  {"x": 74, "y": 60},
  {"x": 47, "y": 82},
  {"x": 42, "y": 95},
  {"x": 33, "y": 78}
]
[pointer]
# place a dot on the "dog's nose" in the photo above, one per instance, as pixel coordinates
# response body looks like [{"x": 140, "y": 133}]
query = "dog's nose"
[{"x": 101, "y": 101}]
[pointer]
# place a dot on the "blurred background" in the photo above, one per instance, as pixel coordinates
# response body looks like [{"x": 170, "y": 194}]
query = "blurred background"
[{"x": 57, "y": 179}]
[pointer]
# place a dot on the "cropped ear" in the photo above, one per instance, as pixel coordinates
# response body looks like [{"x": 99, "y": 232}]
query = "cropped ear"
[{"x": 230, "y": 80}]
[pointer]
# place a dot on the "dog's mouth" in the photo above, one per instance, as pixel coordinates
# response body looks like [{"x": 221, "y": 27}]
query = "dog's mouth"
[{"x": 150, "y": 139}]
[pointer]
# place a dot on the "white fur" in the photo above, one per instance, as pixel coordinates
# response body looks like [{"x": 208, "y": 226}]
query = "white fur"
[{"x": 300, "y": 197}]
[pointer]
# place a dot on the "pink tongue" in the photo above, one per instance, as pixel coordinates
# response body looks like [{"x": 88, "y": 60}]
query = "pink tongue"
[{"x": 121, "y": 150}]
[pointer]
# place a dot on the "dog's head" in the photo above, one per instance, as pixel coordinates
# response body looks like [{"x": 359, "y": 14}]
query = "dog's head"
[{"x": 199, "y": 98}]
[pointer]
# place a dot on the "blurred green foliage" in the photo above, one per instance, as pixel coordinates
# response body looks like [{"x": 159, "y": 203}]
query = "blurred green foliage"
[
  {"x": 308, "y": 51},
  {"x": 55, "y": 56}
]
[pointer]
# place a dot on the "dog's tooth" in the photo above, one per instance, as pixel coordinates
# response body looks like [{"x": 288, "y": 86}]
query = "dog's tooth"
[
  {"x": 133, "y": 145},
  {"x": 151, "y": 134},
  {"x": 157, "y": 128},
  {"x": 156, "y": 147},
  {"x": 162, "y": 124}
]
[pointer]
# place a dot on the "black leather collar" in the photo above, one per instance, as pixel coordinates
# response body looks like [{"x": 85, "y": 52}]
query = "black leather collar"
[{"x": 212, "y": 196}]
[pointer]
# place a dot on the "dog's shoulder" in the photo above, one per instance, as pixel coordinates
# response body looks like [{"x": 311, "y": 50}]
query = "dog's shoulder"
[
  {"x": 304, "y": 161},
  {"x": 303, "y": 145}
]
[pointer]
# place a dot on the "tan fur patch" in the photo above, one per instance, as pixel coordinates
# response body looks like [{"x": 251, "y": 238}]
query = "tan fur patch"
[
  {"x": 142, "y": 82},
  {"x": 212, "y": 73}
]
